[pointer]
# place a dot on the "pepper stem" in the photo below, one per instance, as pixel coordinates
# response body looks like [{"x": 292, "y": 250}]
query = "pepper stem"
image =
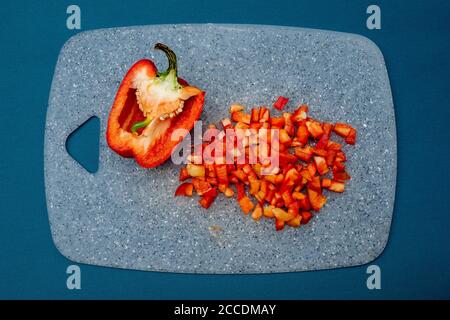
[
  {"x": 170, "y": 74},
  {"x": 141, "y": 124},
  {"x": 170, "y": 56}
]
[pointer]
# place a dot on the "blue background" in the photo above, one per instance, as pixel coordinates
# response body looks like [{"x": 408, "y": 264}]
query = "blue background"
[{"x": 415, "y": 42}]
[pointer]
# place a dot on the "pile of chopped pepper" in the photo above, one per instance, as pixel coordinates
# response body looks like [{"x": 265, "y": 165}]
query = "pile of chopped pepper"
[{"x": 309, "y": 163}]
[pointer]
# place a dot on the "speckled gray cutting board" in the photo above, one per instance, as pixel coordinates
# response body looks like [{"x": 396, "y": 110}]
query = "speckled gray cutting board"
[{"x": 125, "y": 216}]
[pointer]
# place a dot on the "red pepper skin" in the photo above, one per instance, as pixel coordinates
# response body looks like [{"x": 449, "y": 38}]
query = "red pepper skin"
[{"x": 125, "y": 112}]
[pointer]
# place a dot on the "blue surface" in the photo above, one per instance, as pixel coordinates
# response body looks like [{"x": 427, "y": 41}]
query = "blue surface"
[{"x": 415, "y": 43}]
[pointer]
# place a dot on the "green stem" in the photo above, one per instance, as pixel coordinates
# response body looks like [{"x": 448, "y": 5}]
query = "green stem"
[
  {"x": 141, "y": 124},
  {"x": 170, "y": 56}
]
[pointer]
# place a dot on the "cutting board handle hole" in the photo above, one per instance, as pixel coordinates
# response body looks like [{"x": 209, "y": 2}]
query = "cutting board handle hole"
[{"x": 83, "y": 144}]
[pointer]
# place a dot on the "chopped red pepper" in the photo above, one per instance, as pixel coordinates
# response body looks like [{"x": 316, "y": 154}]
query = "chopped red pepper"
[
  {"x": 201, "y": 186},
  {"x": 306, "y": 216},
  {"x": 279, "y": 225},
  {"x": 321, "y": 165},
  {"x": 314, "y": 128},
  {"x": 206, "y": 202},
  {"x": 337, "y": 186},
  {"x": 280, "y": 103},
  {"x": 185, "y": 189},
  {"x": 293, "y": 188},
  {"x": 246, "y": 204},
  {"x": 184, "y": 175},
  {"x": 351, "y": 138}
]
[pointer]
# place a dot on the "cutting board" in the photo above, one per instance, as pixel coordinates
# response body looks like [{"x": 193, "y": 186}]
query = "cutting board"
[{"x": 127, "y": 217}]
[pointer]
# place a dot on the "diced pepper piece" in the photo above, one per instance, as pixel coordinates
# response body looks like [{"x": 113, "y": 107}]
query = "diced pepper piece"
[
  {"x": 269, "y": 195},
  {"x": 315, "y": 184},
  {"x": 292, "y": 175},
  {"x": 337, "y": 186},
  {"x": 257, "y": 212},
  {"x": 351, "y": 138},
  {"x": 340, "y": 156},
  {"x": 264, "y": 114},
  {"x": 226, "y": 123},
  {"x": 338, "y": 166},
  {"x": 212, "y": 181},
  {"x": 184, "y": 175},
  {"x": 246, "y": 204},
  {"x": 229, "y": 192},
  {"x": 260, "y": 196},
  {"x": 286, "y": 158},
  {"x": 221, "y": 173},
  {"x": 314, "y": 128},
  {"x": 305, "y": 154},
  {"x": 287, "y": 197},
  {"x": 311, "y": 167},
  {"x": 212, "y": 193},
  {"x": 306, "y": 216},
  {"x": 282, "y": 215},
  {"x": 306, "y": 175},
  {"x": 326, "y": 183},
  {"x": 236, "y": 108},
  {"x": 298, "y": 196},
  {"x": 277, "y": 122},
  {"x": 342, "y": 129},
  {"x": 248, "y": 170},
  {"x": 210, "y": 171},
  {"x": 341, "y": 176},
  {"x": 206, "y": 201},
  {"x": 294, "y": 208},
  {"x": 222, "y": 187},
  {"x": 320, "y": 152},
  {"x": 296, "y": 143},
  {"x": 288, "y": 123},
  {"x": 268, "y": 211},
  {"x": 323, "y": 142},
  {"x": 295, "y": 222},
  {"x": 254, "y": 115},
  {"x": 240, "y": 190},
  {"x": 201, "y": 186},
  {"x": 257, "y": 169},
  {"x": 279, "y": 225},
  {"x": 279, "y": 178},
  {"x": 195, "y": 170},
  {"x": 284, "y": 137},
  {"x": 254, "y": 185},
  {"x": 240, "y": 117},
  {"x": 332, "y": 145},
  {"x": 316, "y": 199},
  {"x": 280, "y": 103},
  {"x": 321, "y": 165},
  {"x": 300, "y": 114},
  {"x": 304, "y": 204},
  {"x": 185, "y": 189},
  {"x": 241, "y": 126},
  {"x": 330, "y": 157},
  {"x": 271, "y": 178},
  {"x": 302, "y": 133},
  {"x": 327, "y": 127},
  {"x": 256, "y": 126},
  {"x": 240, "y": 175},
  {"x": 233, "y": 179}
]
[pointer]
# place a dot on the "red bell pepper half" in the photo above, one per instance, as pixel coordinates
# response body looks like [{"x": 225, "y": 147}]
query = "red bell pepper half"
[{"x": 149, "y": 106}]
